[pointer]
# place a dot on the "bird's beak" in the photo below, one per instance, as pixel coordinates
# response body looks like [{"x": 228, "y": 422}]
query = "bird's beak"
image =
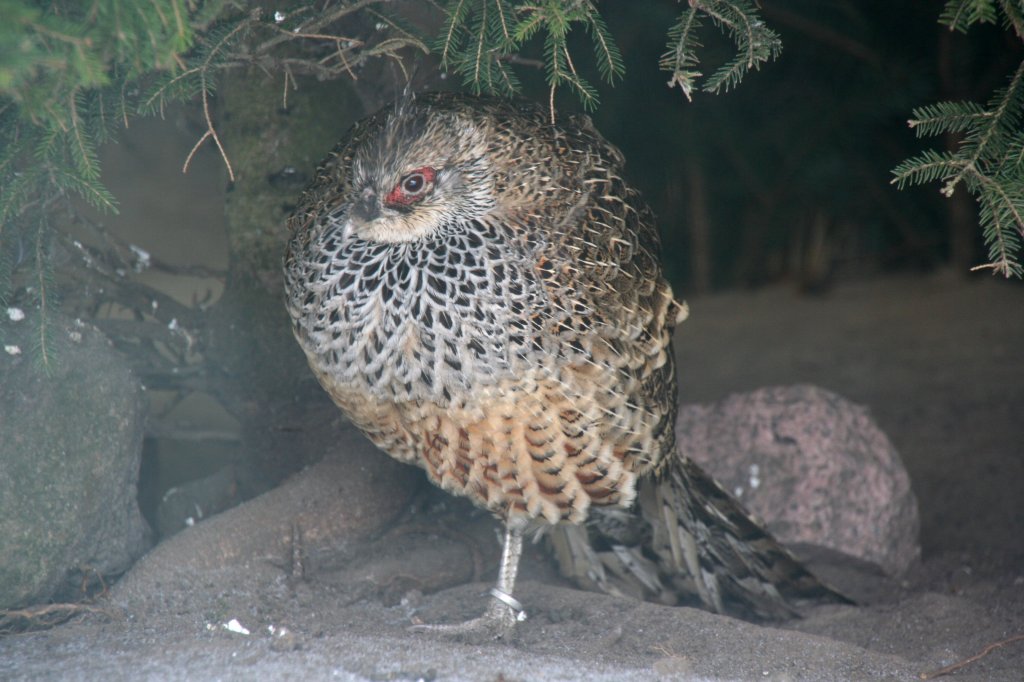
[{"x": 367, "y": 208}]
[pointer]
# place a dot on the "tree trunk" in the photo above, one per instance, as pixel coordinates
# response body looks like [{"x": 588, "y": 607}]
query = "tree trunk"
[{"x": 264, "y": 380}]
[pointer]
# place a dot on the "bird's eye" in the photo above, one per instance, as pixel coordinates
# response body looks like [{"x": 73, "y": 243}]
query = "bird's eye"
[
  {"x": 414, "y": 183},
  {"x": 412, "y": 187}
]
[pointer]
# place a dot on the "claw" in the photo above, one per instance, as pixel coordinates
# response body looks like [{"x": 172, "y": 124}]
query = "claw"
[
  {"x": 504, "y": 611},
  {"x": 498, "y": 621}
]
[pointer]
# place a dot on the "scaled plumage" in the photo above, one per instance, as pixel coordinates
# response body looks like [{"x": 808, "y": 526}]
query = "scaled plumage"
[{"x": 481, "y": 294}]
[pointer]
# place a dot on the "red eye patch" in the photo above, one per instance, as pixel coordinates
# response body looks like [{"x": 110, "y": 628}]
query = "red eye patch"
[{"x": 412, "y": 187}]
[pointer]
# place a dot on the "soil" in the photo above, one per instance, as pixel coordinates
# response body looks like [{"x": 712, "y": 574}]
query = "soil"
[{"x": 939, "y": 361}]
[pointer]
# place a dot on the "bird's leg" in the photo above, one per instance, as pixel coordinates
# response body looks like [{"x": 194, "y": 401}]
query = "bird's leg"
[
  {"x": 504, "y": 604},
  {"x": 503, "y": 611}
]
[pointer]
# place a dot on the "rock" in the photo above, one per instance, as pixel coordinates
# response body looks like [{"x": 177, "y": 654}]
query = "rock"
[
  {"x": 330, "y": 508},
  {"x": 191, "y": 502},
  {"x": 70, "y": 446},
  {"x": 814, "y": 466}
]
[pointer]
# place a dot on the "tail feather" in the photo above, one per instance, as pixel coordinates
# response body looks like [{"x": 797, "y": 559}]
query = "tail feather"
[
  {"x": 688, "y": 539},
  {"x": 701, "y": 532}
]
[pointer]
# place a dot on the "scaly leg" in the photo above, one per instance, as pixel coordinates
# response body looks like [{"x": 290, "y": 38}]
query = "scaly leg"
[{"x": 504, "y": 611}]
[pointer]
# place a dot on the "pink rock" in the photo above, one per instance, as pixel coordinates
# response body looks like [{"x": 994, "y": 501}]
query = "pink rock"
[{"x": 813, "y": 466}]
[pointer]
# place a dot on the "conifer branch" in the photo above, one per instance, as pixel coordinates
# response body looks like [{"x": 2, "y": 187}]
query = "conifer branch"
[
  {"x": 1002, "y": 118},
  {"x": 1002, "y": 218},
  {"x": 480, "y": 39},
  {"x": 681, "y": 59},
  {"x": 1014, "y": 15},
  {"x": 959, "y": 15},
  {"x": 946, "y": 117},
  {"x": 739, "y": 19},
  {"x": 988, "y": 159}
]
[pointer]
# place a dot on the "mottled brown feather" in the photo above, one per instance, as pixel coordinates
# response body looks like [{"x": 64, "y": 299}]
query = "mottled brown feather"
[{"x": 508, "y": 327}]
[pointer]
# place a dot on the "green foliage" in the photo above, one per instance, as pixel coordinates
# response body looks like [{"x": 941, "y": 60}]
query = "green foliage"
[
  {"x": 195, "y": 78},
  {"x": 681, "y": 59},
  {"x": 989, "y": 160},
  {"x": 482, "y": 38},
  {"x": 64, "y": 67},
  {"x": 71, "y": 72},
  {"x": 960, "y": 14},
  {"x": 55, "y": 52},
  {"x": 61, "y": 74},
  {"x": 755, "y": 44},
  {"x": 476, "y": 42}
]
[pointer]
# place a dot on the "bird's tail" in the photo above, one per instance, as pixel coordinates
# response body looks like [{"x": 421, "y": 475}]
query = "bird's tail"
[{"x": 687, "y": 540}]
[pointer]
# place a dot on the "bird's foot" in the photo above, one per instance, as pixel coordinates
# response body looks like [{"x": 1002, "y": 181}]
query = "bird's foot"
[{"x": 498, "y": 621}]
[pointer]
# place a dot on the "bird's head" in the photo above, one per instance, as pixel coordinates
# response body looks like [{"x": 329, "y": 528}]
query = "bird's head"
[{"x": 412, "y": 170}]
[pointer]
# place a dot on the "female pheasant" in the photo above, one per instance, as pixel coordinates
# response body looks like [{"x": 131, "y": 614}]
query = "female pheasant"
[{"x": 480, "y": 293}]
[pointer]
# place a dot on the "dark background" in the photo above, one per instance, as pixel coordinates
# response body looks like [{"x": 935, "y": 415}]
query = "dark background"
[{"x": 787, "y": 177}]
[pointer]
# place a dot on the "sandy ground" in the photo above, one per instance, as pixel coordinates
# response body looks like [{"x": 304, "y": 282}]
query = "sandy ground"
[{"x": 940, "y": 363}]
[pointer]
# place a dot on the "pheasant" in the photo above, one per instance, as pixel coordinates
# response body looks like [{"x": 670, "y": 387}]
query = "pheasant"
[{"x": 480, "y": 292}]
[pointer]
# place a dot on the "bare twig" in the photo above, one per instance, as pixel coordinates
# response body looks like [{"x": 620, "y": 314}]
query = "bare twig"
[
  {"x": 318, "y": 36},
  {"x": 211, "y": 131},
  {"x": 297, "y": 564},
  {"x": 44, "y": 351},
  {"x": 522, "y": 61},
  {"x": 316, "y": 25},
  {"x": 195, "y": 148},
  {"x": 44, "y": 617},
  {"x": 284, "y": 95},
  {"x": 970, "y": 659}
]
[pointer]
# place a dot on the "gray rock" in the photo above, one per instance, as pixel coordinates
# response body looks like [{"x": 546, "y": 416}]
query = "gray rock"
[
  {"x": 70, "y": 445},
  {"x": 814, "y": 466}
]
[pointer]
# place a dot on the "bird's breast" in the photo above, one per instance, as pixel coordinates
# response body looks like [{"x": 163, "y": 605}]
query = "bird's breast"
[{"x": 437, "y": 319}]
